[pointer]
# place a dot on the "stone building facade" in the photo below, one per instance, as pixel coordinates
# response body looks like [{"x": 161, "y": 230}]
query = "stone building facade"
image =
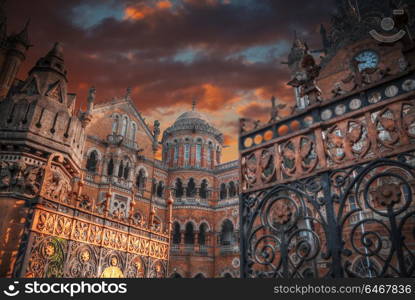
[{"x": 82, "y": 193}]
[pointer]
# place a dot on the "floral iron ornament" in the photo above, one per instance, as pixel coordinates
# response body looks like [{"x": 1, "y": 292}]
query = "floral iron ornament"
[
  {"x": 347, "y": 140},
  {"x": 388, "y": 194},
  {"x": 298, "y": 156}
]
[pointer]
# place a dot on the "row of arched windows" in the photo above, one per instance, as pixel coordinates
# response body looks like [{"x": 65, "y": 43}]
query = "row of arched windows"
[
  {"x": 190, "y": 190},
  {"x": 226, "y": 237},
  {"x": 158, "y": 189},
  {"x": 229, "y": 190},
  {"x": 188, "y": 149}
]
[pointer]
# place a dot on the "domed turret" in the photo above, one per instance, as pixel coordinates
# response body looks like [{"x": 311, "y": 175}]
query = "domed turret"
[{"x": 192, "y": 142}]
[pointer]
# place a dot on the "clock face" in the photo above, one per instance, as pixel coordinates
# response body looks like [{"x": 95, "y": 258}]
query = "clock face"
[{"x": 367, "y": 59}]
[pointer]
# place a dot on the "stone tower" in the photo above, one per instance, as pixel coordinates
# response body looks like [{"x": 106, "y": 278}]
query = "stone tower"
[
  {"x": 41, "y": 143},
  {"x": 13, "y": 50}
]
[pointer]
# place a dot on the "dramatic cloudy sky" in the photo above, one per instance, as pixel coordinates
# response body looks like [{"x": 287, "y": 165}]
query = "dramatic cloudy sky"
[{"x": 226, "y": 53}]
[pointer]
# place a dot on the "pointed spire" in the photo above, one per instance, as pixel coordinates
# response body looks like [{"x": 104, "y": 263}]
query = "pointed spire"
[
  {"x": 194, "y": 104},
  {"x": 56, "y": 51},
  {"x": 128, "y": 93},
  {"x": 23, "y": 36}
]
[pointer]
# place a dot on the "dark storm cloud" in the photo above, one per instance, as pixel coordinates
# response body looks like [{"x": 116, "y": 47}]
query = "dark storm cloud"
[{"x": 171, "y": 51}]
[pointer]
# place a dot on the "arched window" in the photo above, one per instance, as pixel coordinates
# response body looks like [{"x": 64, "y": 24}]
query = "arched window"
[
  {"x": 160, "y": 189},
  {"x": 203, "y": 192},
  {"x": 91, "y": 163},
  {"x": 202, "y": 234},
  {"x": 154, "y": 187},
  {"x": 176, "y": 233},
  {"x": 226, "y": 235},
  {"x": 121, "y": 169},
  {"x": 227, "y": 275},
  {"x": 209, "y": 155},
  {"x": 141, "y": 180},
  {"x": 178, "y": 187},
  {"x": 175, "y": 275},
  {"x": 186, "y": 154},
  {"x": 115, "y": 125},
  {"x": 124, "y": 126},
  {"x": 223, "y": 192},
  {"x": 198, "y": 154},
  {"x": 200, "y": 276},
  {"x": 133, "y": 131},
  {"x": 126, "y": 171},
  {"x": 232, "y": 189},
  {"x": 189, "y": 236},
  {"x": 191, "y": 188},
  {"x": 176, "y": 153},
  {"x": 110, "y": 168}
]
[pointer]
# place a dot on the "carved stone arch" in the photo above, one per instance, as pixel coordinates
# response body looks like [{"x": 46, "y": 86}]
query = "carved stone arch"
[
  {"x": 187, "y": 139},
  {"x": 199, "y": 139},
  {"x": 113, "y": 264},
  {"x": 226, "y": 271},
  {"x": 193, "y": 221},
  {"x": 94, "y": 149},
  {"x": 84, "y": 261},
  {"x": 93, "y": 159},
  {"x": 196, "y": 181},
  {"x": 157, "y": 269},
  {"x": 208, "y": 227},
  {"x": 191, "y": 187},
  {"x": 176, "y": 274},
  {"x": 136, "y": 267},
  {"x": 47, "y": 257},
  {"x": 161, "y": 188},
  {"x": 142, "y": 167},
  {"x": 200, "y": 275},
  {"x": 222, "y": 221},
  {"x": 173, "y": 181}
]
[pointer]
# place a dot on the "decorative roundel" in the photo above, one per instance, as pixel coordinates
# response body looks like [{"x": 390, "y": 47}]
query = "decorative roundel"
[
  {"x": 340, "y": 109},
  {"x": 408, "y": 85},
  {"x": 235, "y": 263},
  {"x": 355, "y": 104},
  {"x": 326, "y": 114},
  {"x": 367, "y": 59},
  {"x": 391, "y": 91},
  {"x": 375, "y": 97}
]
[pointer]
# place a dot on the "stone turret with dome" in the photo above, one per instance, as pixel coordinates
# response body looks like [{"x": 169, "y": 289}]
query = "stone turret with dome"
[{"x": 192, "y": 141}]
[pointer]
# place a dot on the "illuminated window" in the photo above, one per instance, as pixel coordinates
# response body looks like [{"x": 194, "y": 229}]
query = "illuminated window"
[
  {"x": 124, "y": 126},
  {"x": 176, "y": 153},
  {"x": 186, "y": 154},
  {"x": 198, "y": 154}
]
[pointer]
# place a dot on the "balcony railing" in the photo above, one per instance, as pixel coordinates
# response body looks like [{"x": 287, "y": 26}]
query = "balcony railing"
[
  {"x": 229, "y": 249},
  {"x": 117, "y": 139}
]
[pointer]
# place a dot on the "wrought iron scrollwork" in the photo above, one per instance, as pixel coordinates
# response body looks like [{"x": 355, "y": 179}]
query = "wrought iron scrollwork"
[{"x": 353, "y": 222}]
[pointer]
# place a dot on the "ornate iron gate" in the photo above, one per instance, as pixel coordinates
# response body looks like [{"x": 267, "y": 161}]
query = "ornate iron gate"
[{"x": 332, "y": 197}]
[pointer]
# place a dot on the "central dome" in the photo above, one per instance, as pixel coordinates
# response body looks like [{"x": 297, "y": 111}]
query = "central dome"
[{"x": 192, "y": 115}]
